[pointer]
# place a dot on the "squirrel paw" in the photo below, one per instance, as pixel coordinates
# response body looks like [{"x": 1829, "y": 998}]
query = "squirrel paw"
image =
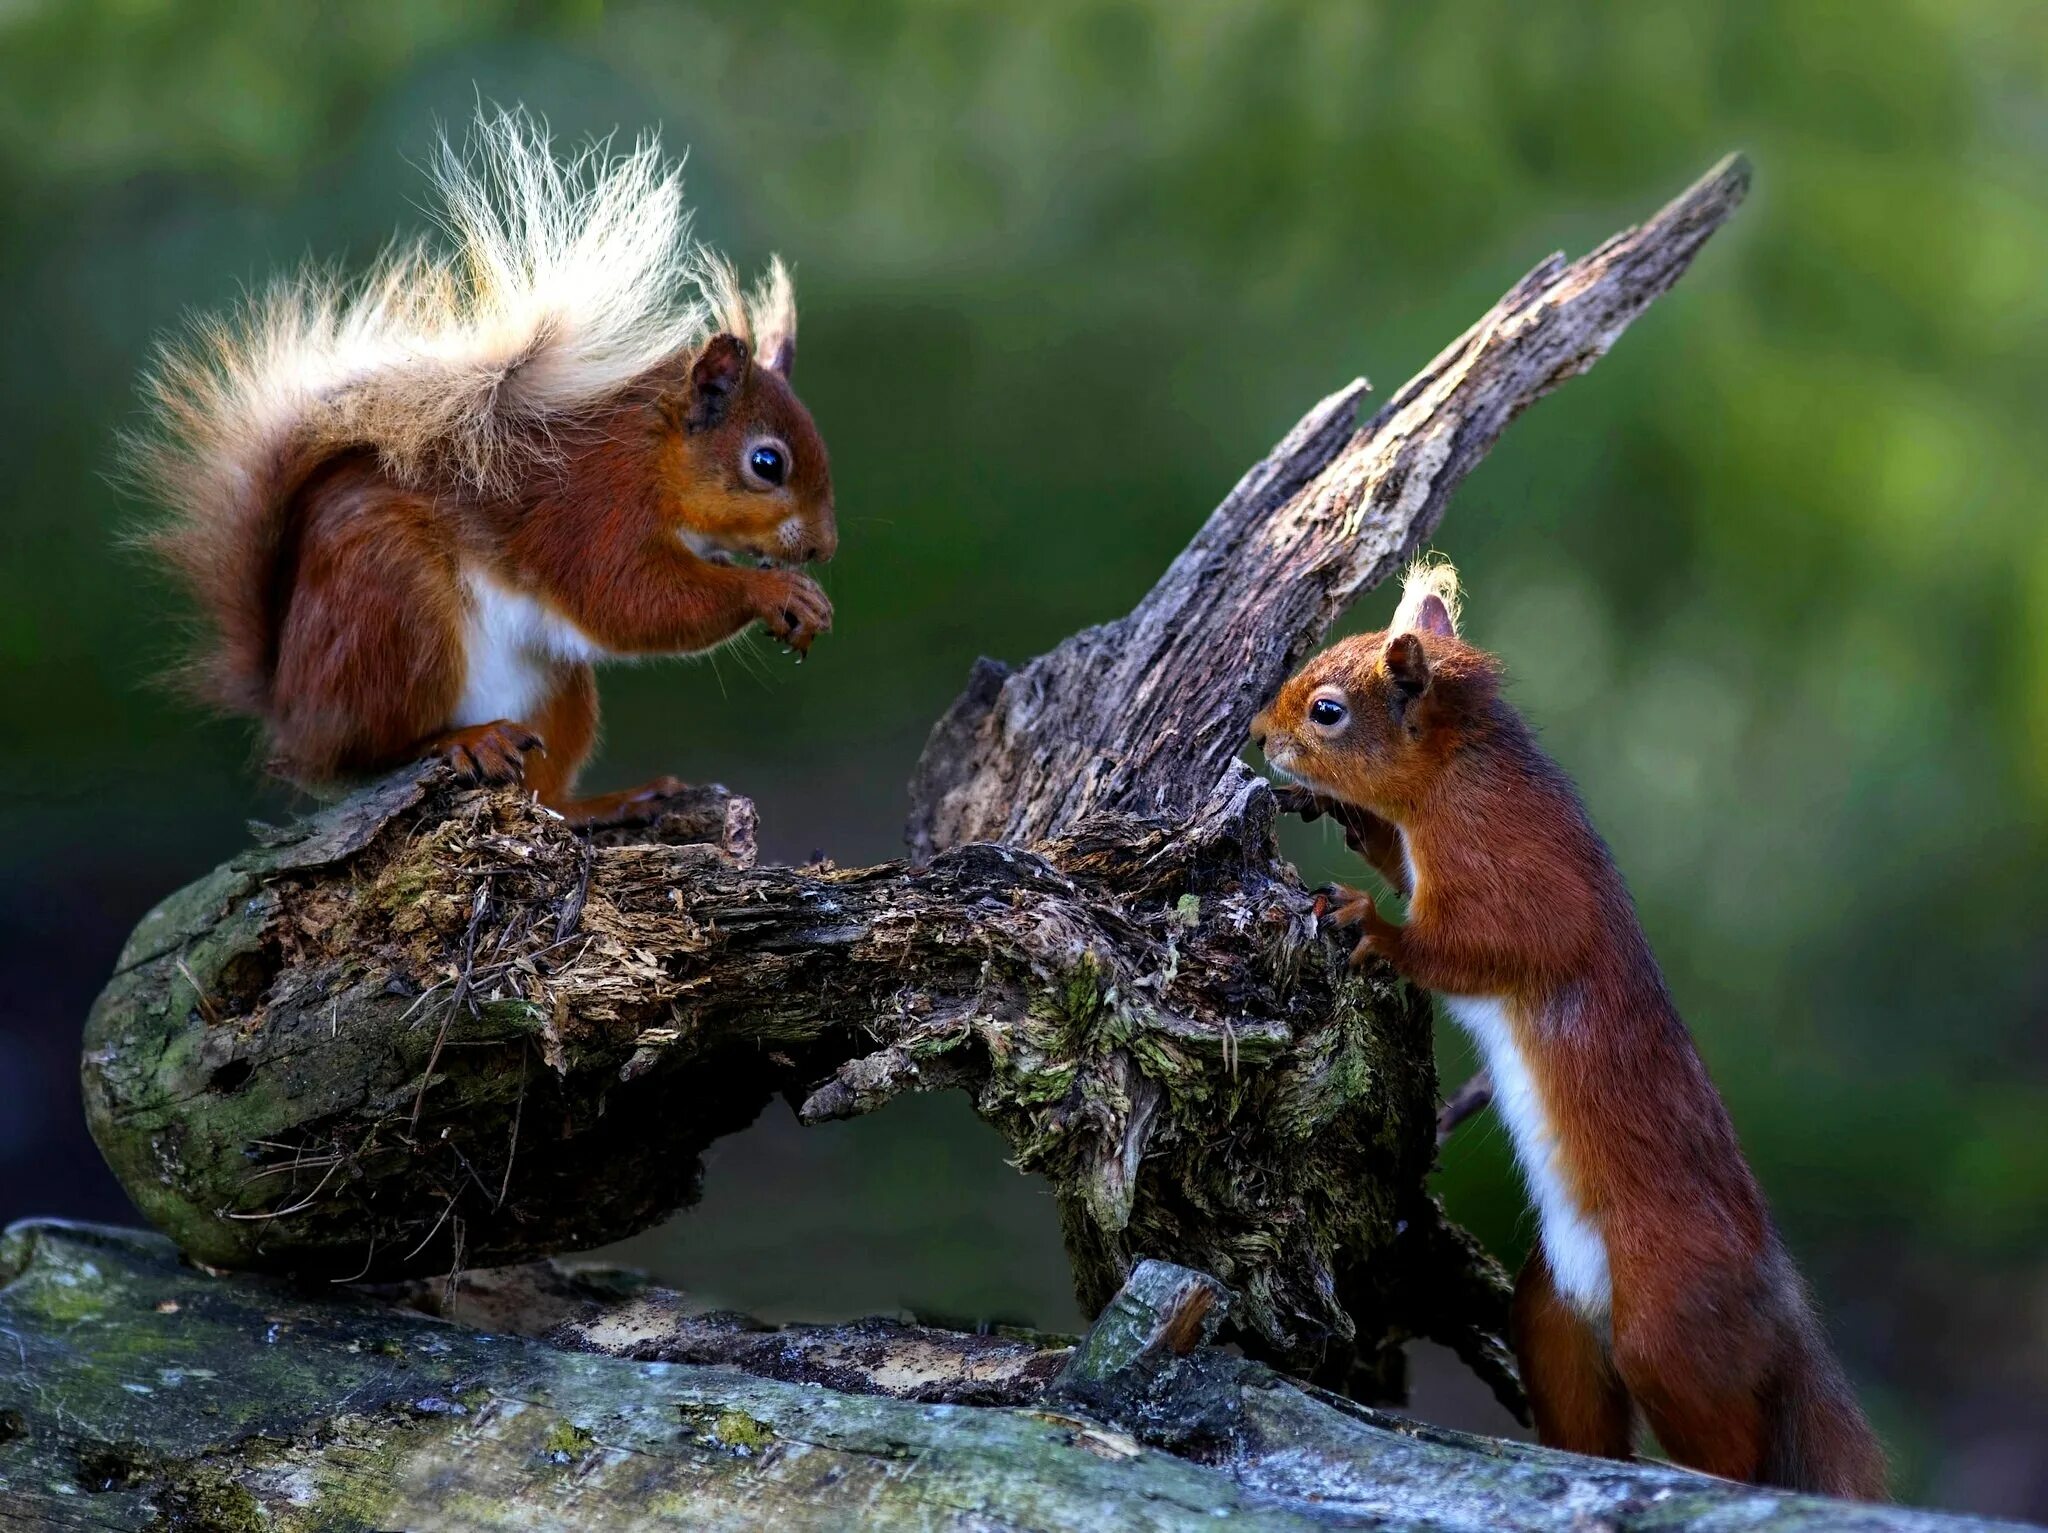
[
  {"x": 792, "y": 606},
  {"x": 489, "y": 753},
  {"x": 1344, "y": 905},
  {"x": 1366, "y": 950},
  {"x": 1354, "y": 907}
]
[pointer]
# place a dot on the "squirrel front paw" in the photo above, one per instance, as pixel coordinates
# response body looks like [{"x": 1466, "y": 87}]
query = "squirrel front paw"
[
  {"x": 1381, "y": 938},
  {"x": 791, "y": 606}
]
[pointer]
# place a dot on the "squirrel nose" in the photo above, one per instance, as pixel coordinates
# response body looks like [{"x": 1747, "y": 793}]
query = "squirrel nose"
[
  {"x": 1259, "y": 734},
  {"x": 822, "y": 547}
]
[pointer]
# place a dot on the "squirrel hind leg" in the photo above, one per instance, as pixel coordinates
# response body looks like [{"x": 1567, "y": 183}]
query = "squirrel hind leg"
[
  {"x": 628, "y": 807},
  {"x": 1575, "y": 1394},
  {"x": 566, "y": 718}
]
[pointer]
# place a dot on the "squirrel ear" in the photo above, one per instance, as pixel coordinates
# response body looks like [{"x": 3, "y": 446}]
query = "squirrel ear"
[
  {"x": 783, "y": 357},
  {"x": 1407, "y": 664},
  {"x": 715, "y": 377},
  {"x": 1434, "y": 617}
]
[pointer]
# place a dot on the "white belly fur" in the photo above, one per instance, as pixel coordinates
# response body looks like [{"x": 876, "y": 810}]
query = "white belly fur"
[
  {"x": 1572, "y": 1242},
  {"x": 510, "y": 644}
]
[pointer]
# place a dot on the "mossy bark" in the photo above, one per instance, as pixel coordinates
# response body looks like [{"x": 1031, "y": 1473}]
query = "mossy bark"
[{"x": 138, "y": 1393}]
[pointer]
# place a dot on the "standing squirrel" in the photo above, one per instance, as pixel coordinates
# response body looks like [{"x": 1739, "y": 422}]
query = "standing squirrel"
[
  {"x": 415, "y": 509},
  {"x": 1659, "y": 1282}
]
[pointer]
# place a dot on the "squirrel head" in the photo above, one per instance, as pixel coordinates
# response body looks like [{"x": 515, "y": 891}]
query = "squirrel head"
[
  {"x": 1373, "y": 720},
  {"x": 743, "y": 469}
]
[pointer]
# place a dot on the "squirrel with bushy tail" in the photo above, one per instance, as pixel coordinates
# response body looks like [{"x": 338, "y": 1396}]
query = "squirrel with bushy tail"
[
  {"x": 416, "y": 508},
  {"x": 1659, "y": 1287}
]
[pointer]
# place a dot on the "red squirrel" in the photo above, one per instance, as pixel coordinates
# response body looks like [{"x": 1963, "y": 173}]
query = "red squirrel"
[
  {"x": 416, "y": 508},
  {"x": 1659, "y": 1283}
]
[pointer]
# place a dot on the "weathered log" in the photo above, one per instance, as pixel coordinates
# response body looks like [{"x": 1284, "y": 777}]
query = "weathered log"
[
  {"x": 139, "y": 1393},
  {"x": 433, "y": 1027}
]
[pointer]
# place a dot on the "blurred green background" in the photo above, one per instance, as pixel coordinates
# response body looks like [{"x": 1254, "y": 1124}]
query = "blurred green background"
[{"x": 1773, "y": 578}]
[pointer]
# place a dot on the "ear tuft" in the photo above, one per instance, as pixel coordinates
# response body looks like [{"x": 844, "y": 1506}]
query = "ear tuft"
[
  {"x": 771, "y": 309},
  {"x": 1407, "y": 664},
  {"x": 1429, "y": 599},
  {"x": 715, "y": 378}
]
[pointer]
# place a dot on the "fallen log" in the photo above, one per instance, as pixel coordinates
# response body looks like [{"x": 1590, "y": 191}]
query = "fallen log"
[
  {"x": 432, "y": 1028},
  {"x": 137, "y": 1392}
]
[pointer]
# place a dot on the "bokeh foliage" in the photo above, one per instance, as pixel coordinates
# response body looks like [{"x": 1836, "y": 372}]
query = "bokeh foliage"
[{"x": 1772, "y": 578}]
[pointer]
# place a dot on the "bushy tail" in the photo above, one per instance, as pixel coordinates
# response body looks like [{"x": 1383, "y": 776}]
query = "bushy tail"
[
  {"x": 225, "y": 455},
  {"x": 1818, "y": 1437}
]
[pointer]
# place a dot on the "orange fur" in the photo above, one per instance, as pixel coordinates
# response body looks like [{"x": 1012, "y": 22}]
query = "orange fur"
[{"x": 1707, "y": 1329}]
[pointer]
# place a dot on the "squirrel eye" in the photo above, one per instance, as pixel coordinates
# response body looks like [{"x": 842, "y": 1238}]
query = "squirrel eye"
[
  {"x": 1326, "y": 712},
  {"x": 768, "y": 462}
]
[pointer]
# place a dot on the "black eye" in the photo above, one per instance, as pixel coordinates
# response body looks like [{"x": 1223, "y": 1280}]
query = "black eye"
[
  {"x": 1327, "y": 712},
  {"x": 768, "y": 464}
]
